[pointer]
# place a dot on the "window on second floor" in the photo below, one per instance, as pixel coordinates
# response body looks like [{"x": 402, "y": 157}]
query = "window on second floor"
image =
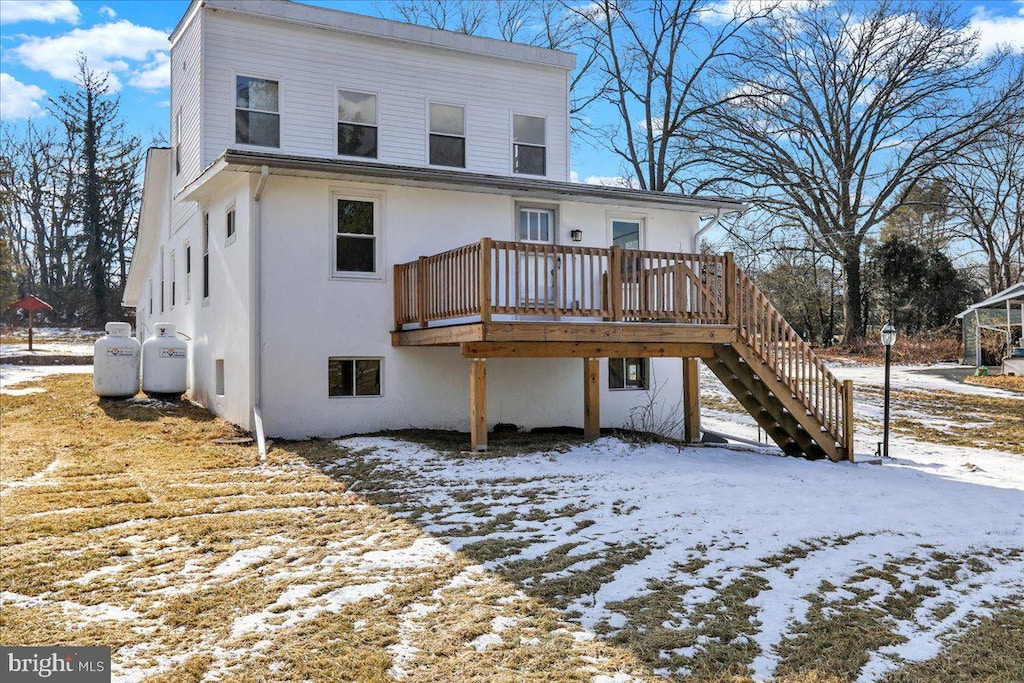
[
  {"x": 206, "y": 255},
  {"x": 529, "y": 154},
  {"x": 257, "y": 117},
  {"x": 177, "y": 142},
  {"x": 357, "y": 124},
  {"x": 230, "y": 225},
  {"x": 447, "y": 135}
]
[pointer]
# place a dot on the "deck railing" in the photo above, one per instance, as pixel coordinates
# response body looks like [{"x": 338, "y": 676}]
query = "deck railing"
[
  {"x": 523, "y": 279},
  {"x": 562, "y": 282},
  {"x": 774, "y": 341}
]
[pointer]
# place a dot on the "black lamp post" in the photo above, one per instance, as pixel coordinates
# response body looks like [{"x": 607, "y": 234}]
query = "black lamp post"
[{"x": 888, "y": 339}]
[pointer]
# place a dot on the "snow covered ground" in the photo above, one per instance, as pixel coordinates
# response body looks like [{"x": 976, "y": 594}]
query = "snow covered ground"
[{"x": 705, "y": 559}]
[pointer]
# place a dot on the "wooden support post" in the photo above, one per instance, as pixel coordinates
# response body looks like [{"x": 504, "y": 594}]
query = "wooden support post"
[
  {"x": 691, "y": 401},
  {"x": 478, "y": 404},
  {"x": 731, "y": 309},
  {"x": 615, "y": 282},
  {"x": 421, "y": 290},
  {"x": 486, "y": 245},
  {"x": 30, "y": 321},
  {"x": 591, "y": 399},
  {"x": 848, "y": 418}
]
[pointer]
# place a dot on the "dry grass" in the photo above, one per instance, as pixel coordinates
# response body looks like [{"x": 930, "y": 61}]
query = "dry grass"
[
  {"x": 115, "y": 520},
  {"x": 1007, "y": 382},
  {"x": 920, "y": 349}
]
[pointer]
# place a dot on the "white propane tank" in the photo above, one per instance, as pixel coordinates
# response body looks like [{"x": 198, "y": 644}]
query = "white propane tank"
[
  {"x": 164, "y": 362},
  {"x": 115, "y": 359}
]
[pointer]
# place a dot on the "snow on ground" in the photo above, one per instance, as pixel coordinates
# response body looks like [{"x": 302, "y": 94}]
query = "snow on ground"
[
  {"x": 710, "y": 517},
  {"x": 940, "y": 376},
  {"x": 12, "y": 375}
]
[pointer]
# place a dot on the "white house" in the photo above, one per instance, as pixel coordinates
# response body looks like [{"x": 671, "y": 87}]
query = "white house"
[{"x": 364, "y": 225}]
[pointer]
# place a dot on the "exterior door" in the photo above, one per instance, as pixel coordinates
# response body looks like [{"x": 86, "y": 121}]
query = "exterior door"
[{"x": 538, "y": 271}]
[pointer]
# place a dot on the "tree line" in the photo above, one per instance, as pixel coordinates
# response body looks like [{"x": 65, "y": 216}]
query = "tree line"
[
  {"x": 70, "y": 190},
  {"x": 861, "y": 134}
]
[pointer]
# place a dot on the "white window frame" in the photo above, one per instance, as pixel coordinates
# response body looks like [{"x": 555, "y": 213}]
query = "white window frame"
[
  {"x": 177, "y": 142},
  {"x": 234, "y": 107},
  {"x": 230, "y": 219},
  {"x": 187, "y": 252},
  {"x": 377, "y": 198},
  {"x": 204, "y": 256},
  {"x": 465, "y": 134},
  {"x": 163, "y": 276},
  {"x": 631, "y": 217},
  {"x": 354, "y": 359},
  {"x": 174, "y": 280},
  {"x": 376, "y": 95},
  {"x": 150, "y": 296},
  {"x": 555, "y": 209},
  {"x": 645, "y": 364},
  {"x": 512, "y": 144}
]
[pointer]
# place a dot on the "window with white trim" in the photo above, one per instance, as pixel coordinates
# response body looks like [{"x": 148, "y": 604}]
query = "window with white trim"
[
  {"x": 174, "y": 282},
  {"x": 626, "y": 233},
  {"x": 188, "y": 272},
  {"x": 257, "y": 117},
  {"x": 447, "y": 135},
  {"x": 357, "y": 229},
  {"x": 151, "y": 296},
  {"x": 161, "y": 279},
  {"x": 357, "y": 124},
  {"x": 628, "y": 373},
  {"x": 177, "y": 142},
  {"x": 529, "y": 151},
  {"x": 229, "y": 225},
  {"x": 206, "y": 255},
  {"x": 353, "y": 377}
]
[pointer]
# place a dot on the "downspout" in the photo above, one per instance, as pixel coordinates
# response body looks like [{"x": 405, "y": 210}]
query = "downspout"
[
  {"x": 703, "y": 229},
  {"x": 255, "y": 314}
]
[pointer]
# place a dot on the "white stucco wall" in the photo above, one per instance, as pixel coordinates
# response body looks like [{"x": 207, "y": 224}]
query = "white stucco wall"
[{"x": 308, "y": 316}]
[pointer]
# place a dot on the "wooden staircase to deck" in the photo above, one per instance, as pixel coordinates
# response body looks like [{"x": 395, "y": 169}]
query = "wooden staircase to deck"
[{"x": 510, "y": 299}]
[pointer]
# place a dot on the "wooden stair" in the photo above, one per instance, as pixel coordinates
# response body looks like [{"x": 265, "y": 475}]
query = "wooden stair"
[{"x": 778, "y": 379}]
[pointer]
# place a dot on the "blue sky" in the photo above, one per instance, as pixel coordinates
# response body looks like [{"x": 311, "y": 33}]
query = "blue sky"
[{"x": 39, "y": 41}]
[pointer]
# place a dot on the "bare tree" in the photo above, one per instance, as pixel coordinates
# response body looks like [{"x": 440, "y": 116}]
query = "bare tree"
[
  {"x": 838, "y": 111},
  {"x": 654, "y": 66},
  {"x": 986, "y": 188}
]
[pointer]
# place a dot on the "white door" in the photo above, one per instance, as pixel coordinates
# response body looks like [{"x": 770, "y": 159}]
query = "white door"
[{"x": 537, "y": 271}]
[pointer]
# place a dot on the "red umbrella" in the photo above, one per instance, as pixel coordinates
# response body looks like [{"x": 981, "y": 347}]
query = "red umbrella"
[{"x": 30, "y": 304}]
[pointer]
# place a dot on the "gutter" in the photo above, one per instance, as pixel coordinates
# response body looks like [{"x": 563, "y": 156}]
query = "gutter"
[{"x": 704, "y": 229}]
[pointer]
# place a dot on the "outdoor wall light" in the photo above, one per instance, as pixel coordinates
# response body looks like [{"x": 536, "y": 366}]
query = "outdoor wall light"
[{"x": 576, "y": 235}]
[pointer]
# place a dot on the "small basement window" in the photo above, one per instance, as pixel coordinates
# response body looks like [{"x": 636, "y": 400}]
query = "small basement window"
[
  {"x": 353, "y": 377},
  {"x": 627, "y": 373},
  {"x": 219, "y": 376}
]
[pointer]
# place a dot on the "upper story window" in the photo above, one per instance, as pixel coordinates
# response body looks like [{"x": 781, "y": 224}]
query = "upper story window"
[
  {"x": 529, "y": 154},
  {"x": 206, "y": 255},
  {"x": 447, "y": 135},
  {"x": 356, "y": 248},
  {"x": 177, "y": 142},
  {"x": 230, "y": 225},
  {"x": 357, "y": 124},
  {"x": 257, "y": 117}
]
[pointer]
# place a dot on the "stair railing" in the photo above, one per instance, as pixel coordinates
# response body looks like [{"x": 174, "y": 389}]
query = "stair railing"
[{"x": 774, "y": 341}]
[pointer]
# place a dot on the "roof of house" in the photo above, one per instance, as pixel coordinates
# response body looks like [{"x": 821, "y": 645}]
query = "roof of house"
[
  {"x": 157, "y": 180},
  {"x": 339, "y": 21},
  {"x": 247, "y": 161},
  {"x": 1013, "y": 294}
]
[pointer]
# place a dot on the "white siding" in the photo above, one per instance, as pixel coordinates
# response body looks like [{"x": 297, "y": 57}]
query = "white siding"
[
  {"x": 186, "y": 78},
  {"x": 308, "y": 317},
  {"x": 312, "y": 64}
]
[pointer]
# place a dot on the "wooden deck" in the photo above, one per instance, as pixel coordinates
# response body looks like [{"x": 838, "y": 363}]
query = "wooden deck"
[{"x": 497, "y": 299}]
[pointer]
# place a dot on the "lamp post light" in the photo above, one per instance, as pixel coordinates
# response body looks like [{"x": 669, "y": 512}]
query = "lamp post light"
[{"x": 888, "y": 339}]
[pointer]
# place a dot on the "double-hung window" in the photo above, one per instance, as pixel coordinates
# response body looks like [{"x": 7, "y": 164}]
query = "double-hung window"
[
  {"x": 188, "y": 272},
  {"x": 353, "y": 377},
  {"x": 529, "y": 153},
  {"x": 206, "y": 255},
  {"x": 357, "y": 230},
  {"x": 357, "y": 124},
  {"x": 447, "y": 135},
  {"x": 627, "y": 373},
  {"x": 257, "y": 117}
]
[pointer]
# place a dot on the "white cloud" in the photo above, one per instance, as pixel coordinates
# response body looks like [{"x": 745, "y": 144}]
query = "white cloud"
[
  {"x": 19, "y": 100},
  {"x": 154, "y": 75},
  {"x": 109, "y": 11},
  {"x": 728, "y": 10},
  {"x": 995, "y": 31},
  {"x": 109, "y": 48},
  {"x": 605, "y": 180},
  {"x": 50, "y": 11}
]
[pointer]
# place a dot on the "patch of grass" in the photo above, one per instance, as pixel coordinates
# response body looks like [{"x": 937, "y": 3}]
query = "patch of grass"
[
  {"x": 1007, "y": 382},
  {"x": 988, "y": 652}
]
